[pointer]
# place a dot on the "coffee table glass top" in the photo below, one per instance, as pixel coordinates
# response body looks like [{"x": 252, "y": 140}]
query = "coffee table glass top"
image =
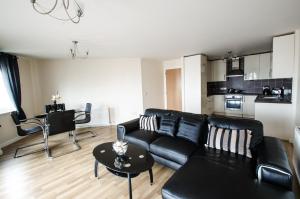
[{"x": 136, "y": 159}]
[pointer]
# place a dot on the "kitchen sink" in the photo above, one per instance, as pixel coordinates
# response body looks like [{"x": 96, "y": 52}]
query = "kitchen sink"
[{"x": 270, "y": 97}]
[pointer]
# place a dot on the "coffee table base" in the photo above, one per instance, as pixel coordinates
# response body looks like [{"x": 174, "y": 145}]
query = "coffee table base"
[{"x": 124, "y": 175}]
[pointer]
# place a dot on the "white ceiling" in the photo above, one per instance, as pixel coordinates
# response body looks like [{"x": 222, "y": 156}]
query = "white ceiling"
[{"x": 159, "y": 29}]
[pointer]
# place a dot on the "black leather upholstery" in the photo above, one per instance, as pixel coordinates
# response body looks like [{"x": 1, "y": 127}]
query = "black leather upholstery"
[
  {"x": 168, "y": 163},
  {"x": 60, "y": 122},
  {"x": 272, "y": 163},
  {"x": 54, "y": 107},
  {"x": 201, "y": 178},
  {"x": 127, "y": 127},
  {"x": 175, "y": 149},
  {"x": 209, "y": 173},
  {"x": 141, "y": 138},
  {"x": 190, "y": 129},
  {"x": 234, "y": 123},
  {"x": 25, "y": 131},
  {"x": 86, "y": 113},
  {"x": 168, "y": 125}
]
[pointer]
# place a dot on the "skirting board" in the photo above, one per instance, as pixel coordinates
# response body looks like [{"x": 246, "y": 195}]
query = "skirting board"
[{"x": 11, "y": 141}]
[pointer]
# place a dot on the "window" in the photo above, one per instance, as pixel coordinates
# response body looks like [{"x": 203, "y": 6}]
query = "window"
[{"x": 6, "y": 104}]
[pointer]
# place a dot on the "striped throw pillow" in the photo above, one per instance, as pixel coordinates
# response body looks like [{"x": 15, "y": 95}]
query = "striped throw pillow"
[
  {"x": 233, "y": 140},
  {"x": 148, "y": 123}
]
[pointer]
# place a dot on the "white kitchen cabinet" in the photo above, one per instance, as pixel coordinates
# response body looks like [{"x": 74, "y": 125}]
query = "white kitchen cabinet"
[
  {"x": 192, "y": 84},
  {"x": 219, "y": 104},
  {"x": 251, "y": 67},
  {"x": 276, "y": 119},
  {"x": 283, "y": 56},
  {"x": 249, "y": 106},
  {"x": 257, "y": 66},
  {"x": 265, "y": 64},
  {"x": 218, "y": 70}
]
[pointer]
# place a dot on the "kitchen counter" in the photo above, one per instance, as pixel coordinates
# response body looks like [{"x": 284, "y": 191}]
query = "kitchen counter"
[
  {"x": 225, "y": 93},
  {"x": 284, "y": 100}
]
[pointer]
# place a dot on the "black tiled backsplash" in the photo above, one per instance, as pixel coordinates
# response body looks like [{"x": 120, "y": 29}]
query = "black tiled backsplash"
[{"x": 248, "y": 86}]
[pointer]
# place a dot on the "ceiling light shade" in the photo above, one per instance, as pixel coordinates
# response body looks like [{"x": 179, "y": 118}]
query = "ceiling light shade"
[
  {"x": 64, "y": 10},
  {"x": 74, "y": 51}
]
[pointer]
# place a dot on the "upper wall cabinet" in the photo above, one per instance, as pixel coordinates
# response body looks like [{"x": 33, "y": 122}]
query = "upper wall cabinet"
[
  {"x": 218, "y": 70},
  {"x": 257, "y": 66},
  {"x": 265, "y": 66},
  {"x": 251, "y": 67},
  {"x": 283, "y": 56}
]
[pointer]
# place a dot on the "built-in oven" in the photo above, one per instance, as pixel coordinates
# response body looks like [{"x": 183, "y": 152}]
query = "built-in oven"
[{"x": 234, "y": 103}]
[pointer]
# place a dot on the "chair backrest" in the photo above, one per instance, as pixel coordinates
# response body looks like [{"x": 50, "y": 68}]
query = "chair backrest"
[
  {"x": 16, "y": 118},
  {"x": 60, "y": 122},
  {"x": 52, "y": 108},
  {"x": 88, "y": 110}
]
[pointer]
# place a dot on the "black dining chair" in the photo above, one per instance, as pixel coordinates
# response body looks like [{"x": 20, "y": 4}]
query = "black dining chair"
[
  {"x": 84, "y": 117},
  {"x": 26, "y": 127},
  {"x": 60, "y": 122},
  {"x": 54, "y": 107}
]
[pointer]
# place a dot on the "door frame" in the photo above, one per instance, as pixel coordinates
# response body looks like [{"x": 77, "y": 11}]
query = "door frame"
[{"x": 165, "y": 83}]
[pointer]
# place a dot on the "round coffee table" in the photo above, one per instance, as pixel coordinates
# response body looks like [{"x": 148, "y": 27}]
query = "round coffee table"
[{"x": 136, "y": 161}]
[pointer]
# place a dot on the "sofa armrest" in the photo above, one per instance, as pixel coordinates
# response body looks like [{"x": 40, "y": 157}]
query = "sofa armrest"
[
  {"x": 127, "y": 127},
  {"x": 272, "y": 163}
]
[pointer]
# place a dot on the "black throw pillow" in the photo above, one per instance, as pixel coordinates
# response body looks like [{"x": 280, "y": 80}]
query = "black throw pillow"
[
  {"x": 168, "y": 125},
  {"x": 189, "y": 129}
]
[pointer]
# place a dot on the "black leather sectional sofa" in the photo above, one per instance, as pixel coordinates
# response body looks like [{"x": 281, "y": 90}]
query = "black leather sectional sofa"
[{"x": 207, "y": 173}]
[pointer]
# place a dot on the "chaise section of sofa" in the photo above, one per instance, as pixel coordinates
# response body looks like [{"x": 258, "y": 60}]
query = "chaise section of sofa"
[{"x": 207, "y": 173}]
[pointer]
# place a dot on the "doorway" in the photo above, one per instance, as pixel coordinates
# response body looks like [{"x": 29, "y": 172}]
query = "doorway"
[{"x": 173, "y": 89}]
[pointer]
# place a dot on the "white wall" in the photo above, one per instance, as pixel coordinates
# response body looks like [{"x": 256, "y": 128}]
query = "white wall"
[
  {"x": 115, "y": 84},
  {"x": 173, "y": 63},
  {"x": 152, "y": 84},
  {"x": 8, "y": 133}
]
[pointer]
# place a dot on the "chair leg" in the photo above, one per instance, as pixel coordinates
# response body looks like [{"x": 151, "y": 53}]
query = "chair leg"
[
  {"x": 91, "y": 132},
  {"x": 23, "y": 147},
  {"x": 48, "y": 151}
]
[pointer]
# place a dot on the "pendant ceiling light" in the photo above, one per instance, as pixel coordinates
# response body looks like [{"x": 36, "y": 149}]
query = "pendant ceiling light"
[
  {"x": 74, "y": 51},
  {"x": 64, "y": 10}
]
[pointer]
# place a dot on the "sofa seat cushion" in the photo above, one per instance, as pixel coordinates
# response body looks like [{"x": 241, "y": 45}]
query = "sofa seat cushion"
[
  {"x": 206, "y": 179},
  {"x": 227, "y": 159},
  {"x": 174, "y": 149},
  {"x": 141, "y": 138}
]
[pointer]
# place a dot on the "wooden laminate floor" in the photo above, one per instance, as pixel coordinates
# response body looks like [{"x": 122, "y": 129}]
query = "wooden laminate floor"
[{"x": 72, "y": 175}]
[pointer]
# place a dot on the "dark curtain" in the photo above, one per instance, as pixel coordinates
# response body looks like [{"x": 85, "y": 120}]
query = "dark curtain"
[{"x": 10, "y": 72}]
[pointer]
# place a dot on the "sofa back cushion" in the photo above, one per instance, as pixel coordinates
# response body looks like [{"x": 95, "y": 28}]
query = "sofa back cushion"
[
  {"x": 254, "y": 126},
  {"x": 148, "y": 123},
  {"x": 202, "y": 118},
  {"x": 189, "y": 129},
  {"x": 168, "y": 125},
  {"x": 233, "y": 140}
]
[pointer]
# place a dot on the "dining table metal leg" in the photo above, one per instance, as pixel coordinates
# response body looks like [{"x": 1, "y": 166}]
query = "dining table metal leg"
[
  {"x": 96, "y": 168},
  {"x": 151, "y": 176},
  {"x": 129, "y": 186}
]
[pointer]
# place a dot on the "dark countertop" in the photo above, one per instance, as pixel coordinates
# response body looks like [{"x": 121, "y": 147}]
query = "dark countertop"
[
  {"x": 220, "y": 93},
  {"x": 284, "y": 100}
]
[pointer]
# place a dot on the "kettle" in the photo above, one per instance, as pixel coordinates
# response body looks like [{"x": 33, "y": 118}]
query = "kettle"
[{"x": 267, "y": 90}]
